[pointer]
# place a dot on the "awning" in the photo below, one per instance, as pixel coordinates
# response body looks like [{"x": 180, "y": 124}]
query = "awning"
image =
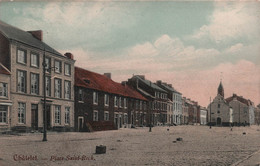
[{"x": 9, "y": 104}]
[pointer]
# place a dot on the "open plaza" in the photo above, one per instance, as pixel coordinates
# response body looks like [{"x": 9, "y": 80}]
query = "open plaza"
[{"x": 199, "y": 146}]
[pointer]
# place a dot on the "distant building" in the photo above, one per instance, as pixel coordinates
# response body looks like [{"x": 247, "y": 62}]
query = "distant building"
[
  {"x": 5, "y": 102},
  {"x": 185, "y": 110},
  {"x": 219, "y": 111},
  {"x": 102, "y": 104},
  {"x": 175, "y": 102},
  {"x": 22, "y": 53},
  {"x": 203, "y": 115},
  {"x": 257, "y": 115},
  {"x": 243, "y": 110},
  {"x": 156, "y": 96}
]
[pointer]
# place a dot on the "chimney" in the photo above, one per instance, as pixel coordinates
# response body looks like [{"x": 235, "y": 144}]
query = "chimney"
[
  {"x": 123, "y": 83},
  {"x": 69, "y": 55},
  {"x": 170, "y": 85},
  {"x": 159, "y": 82},
  {"x": 37, "y": 34},
  {"x": 108, "y": 75}
]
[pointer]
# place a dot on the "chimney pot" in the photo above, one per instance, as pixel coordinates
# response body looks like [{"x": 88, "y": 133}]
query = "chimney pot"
[{"x": 108, "y": 75}]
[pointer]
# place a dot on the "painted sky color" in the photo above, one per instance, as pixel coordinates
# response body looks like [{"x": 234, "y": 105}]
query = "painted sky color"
[{"x": 187, "y": 44}]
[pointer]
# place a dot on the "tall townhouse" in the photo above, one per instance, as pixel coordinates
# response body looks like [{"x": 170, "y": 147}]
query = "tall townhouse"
[
  {"x": 175, "y": 99},
  {"x": 185, "y": 110},
  {"x": 257, "y": 115},
  {"x": 102, "y": 104},
  {"x": 22, "y": 53},
  {"x": 5, "y": 102},
  {"x": 243, "y": 110},
  {"x": 157, "y": 98}
]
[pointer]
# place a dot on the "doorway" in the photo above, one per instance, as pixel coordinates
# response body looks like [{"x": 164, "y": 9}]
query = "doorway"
[
  {"x": 34, "y": 116},
  {"x": 80, "y": 124},
  {"x": 218, "y": 121}
]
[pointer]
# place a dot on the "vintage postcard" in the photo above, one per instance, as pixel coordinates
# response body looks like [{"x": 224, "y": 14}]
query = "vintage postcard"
[{"x": 141, "y": 82}]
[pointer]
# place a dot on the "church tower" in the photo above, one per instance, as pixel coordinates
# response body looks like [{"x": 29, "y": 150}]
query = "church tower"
[{"x": 221, "y": 89}]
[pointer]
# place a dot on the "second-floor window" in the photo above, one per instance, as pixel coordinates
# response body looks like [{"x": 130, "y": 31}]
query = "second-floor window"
[
  {"x": 48, "y": 64},
  {"x": 21, "y": 81},
  {"x": 21, "y": 56},
  {"x": 125, "y": 103},
  {"x": 67, "y": 69},
  {"x": 34, "y": 83},
  {"x": 106, "y": 100},
  {"x": 3, "y": 89},
  {"x": 34, "y": 60},
  {"x": 116, "y": 102},
  {"x": 95, "y": 98},
  {"x": 57, "y": 90},
  {"x": 80, "y": 95},
  {"x": 67, "y": 89},
  {"x": 120, "y": 102},
  {"x": 48, "y": 86},
  {"x": 57, "y": 66}
]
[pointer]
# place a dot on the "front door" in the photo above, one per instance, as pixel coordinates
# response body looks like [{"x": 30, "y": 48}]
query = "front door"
[
  {"x": 48, "y": 116},
  {"x": 34, "y": 116},
  {"x": 80, "y": 124}
]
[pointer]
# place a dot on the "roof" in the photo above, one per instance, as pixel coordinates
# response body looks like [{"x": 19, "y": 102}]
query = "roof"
[
  {"x": 91, "y": 80},
  {"x": 149, "y": 83},
  {"x": 169, "y": 88},
  {"x": 240, "y": 99},
  {"x": 19, "y": 35},
  {"x": 4, "y": 70}
]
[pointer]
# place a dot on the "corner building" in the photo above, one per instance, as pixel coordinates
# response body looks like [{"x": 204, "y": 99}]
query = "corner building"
[{"x": 21, "y": 53}]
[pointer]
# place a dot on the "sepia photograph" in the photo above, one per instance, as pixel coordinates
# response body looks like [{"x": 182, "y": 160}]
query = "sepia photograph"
[{"x": 130, "y": 83}]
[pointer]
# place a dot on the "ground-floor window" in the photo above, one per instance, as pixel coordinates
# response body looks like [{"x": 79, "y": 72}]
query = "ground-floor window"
[
  {"x": 21, "y": 112},
  {"x": 67, "y": 115},
  {"x": 95, "y": 115},
  {"x": 57, "y": 114},
  {"x": 125, "y": 118},
  {"x": 106, "y": 116},
  {"x": 3, "y": 113}
]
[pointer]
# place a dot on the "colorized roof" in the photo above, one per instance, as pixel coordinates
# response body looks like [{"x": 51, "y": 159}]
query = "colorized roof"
[
  {"x": 92, "y": 80},
  {"x": 19, "y": 35},
  {"x": 240, "y": 99},
  {"x": 149, "y": 83},
  {"x": 4, "y": 70}
]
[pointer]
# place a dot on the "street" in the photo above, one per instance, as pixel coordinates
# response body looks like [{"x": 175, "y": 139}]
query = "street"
[{"x": 199, "y": 146}]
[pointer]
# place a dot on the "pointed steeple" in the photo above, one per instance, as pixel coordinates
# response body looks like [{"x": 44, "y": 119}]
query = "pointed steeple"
[{"x": 221, "y": 89}]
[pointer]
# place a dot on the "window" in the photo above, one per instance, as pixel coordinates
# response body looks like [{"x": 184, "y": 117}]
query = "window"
[
  {"x": 67, "y": 89},
  {"x": 34, "y": 83},
  {"x": 67, "y": 69},
  {"x": 95, "y": 98},
  {"x": 116, "y": 102},
  {"x": 141, "y": 105},
  {"x": 3, "y": 114},
  {"x": 21, "y": 56},
  {"x": 57, "y": 114},
  {"x": 21, "y": 112},
  {"x": 57, "y": 90},
  {"x": 218, "y": 105},
  {"x": 48, "y": 86},
  {"x": 106, "y": 116},
  {"x": 144, "y": 105},
  {"x": 67, "y": 115},
  {"x": 125, "y": 118},
  {"x": 136, "y": 104},
  {"x": 106, "y": 100},
  {"x": 57, "y": 66},
  {"x": 95, "y": 115},
  {"x": 125, "y": 103},
  {"x": 80, "y": 95},
  {"x": 120, "y": 102},
  {"x": 21, "y": 81},
  {"x": 34, "y": 60},
  {"x": 3, "y": 89},
  {"x": 48, "y": 64}
]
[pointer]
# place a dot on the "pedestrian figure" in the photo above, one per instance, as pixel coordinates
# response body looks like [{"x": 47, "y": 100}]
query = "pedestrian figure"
[{"x": 231, "y": 128}]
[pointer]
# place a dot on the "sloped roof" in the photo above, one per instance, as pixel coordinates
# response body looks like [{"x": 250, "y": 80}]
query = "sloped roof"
[
  {"x": 149, "y": 83},
  {"x": 169, "y": 88},
  {"x": 4, "y": 70},
  {"x": 19, "y": 35},
  {"x": 240, "y": 99},
  {"x": 88, "y": 79}
]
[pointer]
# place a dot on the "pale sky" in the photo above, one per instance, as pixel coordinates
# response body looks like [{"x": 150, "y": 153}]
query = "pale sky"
[{"x": 187, "y": 44}]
